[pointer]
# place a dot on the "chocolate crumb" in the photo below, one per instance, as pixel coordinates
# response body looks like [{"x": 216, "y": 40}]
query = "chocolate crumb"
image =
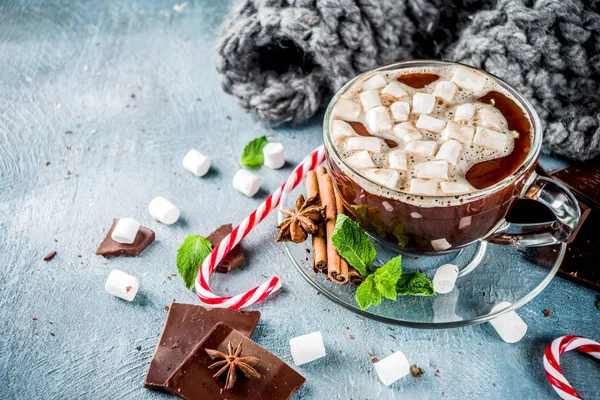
[
  {"x": 128, "y": 288},
  {"x": 133, "y": 95},
  {"x": 437, "y": 372},
  {"x": 47, "y": 163},
  {"x": 347, "y": 328},
  {"x": 167, "y": 308},
  {"x": 49, "y": 256},
  {"x": 374, "y": 360},
  {"x": 52, "y": 334},
  {"x": 34, "y": 319},
  {"x": 228, "y": 117},
  {"x": 547, "y": 313},
  {"x": 68, "y": 132},
  {"x": 138, "y": 348},
  {"x": 351, "y": 337},
  {"x": 416, "y": 371}
]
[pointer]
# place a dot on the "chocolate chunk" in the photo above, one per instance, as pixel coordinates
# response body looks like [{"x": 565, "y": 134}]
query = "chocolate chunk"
[
  {"x": 193, "y": 380},
  {"x": 235, "y": 258},
  {"x": 584, "y": 182},
  {"x": 49, "y": 256},
  {"x": 185, "y": 327},
  {"x": 109, "y": 248}
]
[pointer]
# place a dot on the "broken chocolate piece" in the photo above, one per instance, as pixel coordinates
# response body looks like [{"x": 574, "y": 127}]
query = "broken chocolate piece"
[
  {"x": 49, "y": 256},
  {"x": 235, "y": 258},
  {"x": 584, "y": 182},
  {"x": 185, "y": 327},
  {"x": 193, "y": 380},
  {"x": 109, "y": 248}
]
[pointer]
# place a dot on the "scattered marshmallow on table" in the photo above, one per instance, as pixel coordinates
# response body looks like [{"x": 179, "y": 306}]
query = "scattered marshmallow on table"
[
  {"x": 378, "y": 120},
  {"x": 445, "y": 278},
  {"x": 125, "y": 231},
  {"x": 196, "y": 162},
  {"x": 341, "y": 129},
  {"x": 122, "y": 285},
  {"x": 397, "y": 160},
  {"x": 464, "y": 113},
  {"x": 469, "y": 79},
  {"x": 385, "y": 177},
  {"x": 490, "y": 139},
  {"x": 445, "y": 90},
  {"x": 400, "y": 111},
  {"x": 370, "y": 99},
  {"x": 431, "y": 170},
  {"x": 491, "y": 118},
  {"x": 407, "y": 132},
  {"x": 375, "y": 82},
  {"x": 396, "y": 90},
  {"x": 423, "y": 147},
  {"x": 347, "y": 109},
  {"x": 454, "y": 188},
  {"x": 246, "y": 182},
  {"x": 423, "y": 103},
  {"x": 273, "y": 155},
  {"x": 163, "y": 210},
  {"x": 449, "y": 151},
  {"x": 460, "y": 132},
  {"x": 362, "y": 159},
  {"x": 307, "y": 348},
  {"x": 509, "y": 326},
  {"x": 392, "y": 368},
  {"x": 440, "y": 244},
  {"x": 422, "y": 186},
  {"x": 372, "y": 144},
  {"x": 430, "y": 123}
]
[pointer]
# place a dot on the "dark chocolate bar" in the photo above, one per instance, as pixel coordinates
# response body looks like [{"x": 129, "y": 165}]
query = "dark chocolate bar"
[
  {"x": 109, "y": 248},
  {"x": 235, "y": 258}
]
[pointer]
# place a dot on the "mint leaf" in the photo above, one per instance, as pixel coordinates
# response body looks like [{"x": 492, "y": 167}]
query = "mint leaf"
[
  {"x": 387, "y": 276},
  {"x": 252, "y": 156},
  {"x": 353, "y": 244},
  {"x": 415, "y": 284},
  {"x": 367, "y": 294},
  {"x": 190, "y": 255}
]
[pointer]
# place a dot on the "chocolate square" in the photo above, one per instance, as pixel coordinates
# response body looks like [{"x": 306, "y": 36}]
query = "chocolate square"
[
  {"x": 193, "y": 380},
  {"x": 109, "y": 248},
  {"x": 583, "y": 181},
  {"x": 185, "y": 327},
  {"x": 235, "y": 258}
]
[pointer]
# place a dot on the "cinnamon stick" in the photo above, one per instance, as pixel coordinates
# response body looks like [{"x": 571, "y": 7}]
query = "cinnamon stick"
[
  {"x": 355, "y": 278},
  {"x": 319, "y": 246},
  {"x": 344, "y": 269}
]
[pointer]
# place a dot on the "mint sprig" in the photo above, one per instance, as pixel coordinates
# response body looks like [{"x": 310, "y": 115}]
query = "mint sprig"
[
  {"x": 380, "y": 284},
  {"x": 353, "y": 244},
  {"x": 252, "y": 156},
  {"x": 415, "y": 284},
  {"x": 190, "y": 255}
]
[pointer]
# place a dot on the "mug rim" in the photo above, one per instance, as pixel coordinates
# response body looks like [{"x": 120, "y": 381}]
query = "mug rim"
[{"x": 531, "y": 158}]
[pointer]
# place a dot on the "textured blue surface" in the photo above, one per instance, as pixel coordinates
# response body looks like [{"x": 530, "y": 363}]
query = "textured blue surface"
[{"x": 70, "y": 67}]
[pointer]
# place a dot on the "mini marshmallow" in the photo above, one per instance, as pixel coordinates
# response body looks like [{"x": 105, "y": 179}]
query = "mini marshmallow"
[
  {"x": 445, "y": 277},
  {"x": 122, "y": 285},
  {"x": 464, "y": 222},
  {"x": 454, "y": 188},
  {"x": 341, "y": 129},
  {"x": 407, "y": 132},
  {"x": 378, "y": 120},
  {"x": 163, "y": 210},
  {"x": 445, "y": 90},
  {"x": 347, "y": 110},
  {"x": 491, "y": 118},
  {"x": 400, "y": 110},
  {"x": 469, "y": 79},
  {"x": 422, "y": 186},
  {"x": 307, "y": 348},
  {"x": 196, "y": 162},
  {"x": 464, "y": 113},
  {"x": 449, "y": 151},
  {"x": 375, "y": 82},
  {"x": 385, "y": 177},
  {"x": 422, "y": 147},
  {"x": 392, "y": 368},
  {"x": 431, "y": 170},
  {"x": 125, "y": 231},
  {"x": 372, "y": 144},
  {"x": 430, "y": 124},
  {"x": 396, "y": 90},
  {"x": 423, "y": 103},
  {"x": 509, "y": 326},
  {"x": 416, "y": 214},
  {"x": 460, "y": 132},
  {"x": 370, "y": 99},
  {"x": 490, "y": 139},
  {"x": 397, "y": 160},
  {"x": 388, "y": 207},
  {"x": 440, "y": 244},
  {"x": 444, "y": 307},
  {"x": 362, "y": 159},
  {"x": 273, "y": 155},
  {"x": 246, "y": 182}
]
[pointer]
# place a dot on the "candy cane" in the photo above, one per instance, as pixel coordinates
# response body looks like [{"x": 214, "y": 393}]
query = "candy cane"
[
  {"x": 205, "y": 294},
  {"x": 554, "y": 372}
]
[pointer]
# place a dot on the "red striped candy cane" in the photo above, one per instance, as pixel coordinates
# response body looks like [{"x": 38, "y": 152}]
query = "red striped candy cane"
[
  {"x": 205, "y": 294},
  {"x": 554, "y": 372}
]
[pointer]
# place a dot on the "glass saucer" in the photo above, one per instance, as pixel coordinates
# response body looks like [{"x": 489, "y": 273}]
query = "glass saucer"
[{"x": 488, "y": 275}]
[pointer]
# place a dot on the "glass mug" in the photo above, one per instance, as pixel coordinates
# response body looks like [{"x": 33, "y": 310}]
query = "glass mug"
[{"x": 389, "y": 215}]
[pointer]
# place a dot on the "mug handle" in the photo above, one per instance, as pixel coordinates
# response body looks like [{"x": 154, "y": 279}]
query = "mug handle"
[{"x": 558, "y": 199}]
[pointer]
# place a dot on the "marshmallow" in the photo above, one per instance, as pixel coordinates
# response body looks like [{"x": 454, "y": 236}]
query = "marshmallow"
[
  {"x": 397, "y": 160},
  {"x": 460, "y": 132},
  {"x": 509, "y": 326},
  {"x": 375, "y": 82},
  {"x": 431, "y": 170},
  {"x": 341, "y": 129},
  {"x": 196, "y": 162},
  {"x": 469, "y": 79},
  {"x": 454, "y": 188},
  {"x": 378, "y": 120},
  {"x": 246, "y": 182},
  {"x": 430, "y": 124},
  {"x": 422, "y": 147},
  {"x": 490, "y": 139},
  {"x": 362, "y": 159},
  {"x": 464, "y": 113},
  {"x": 407, "y": 132},
  {"x": 370, "y": 99},
  {"x": 422, "y": 186},
  {"x": 163, "y": 210},
  {"x": 491, "y": 118},
  {"x": 125, "y": 231},
  {"x": 440, "y": 244},
  {"x": 372, "y": 144},
  {"x": 464, "y": 222},
  {"x": 122, "y": 285},
  {"x": 392, "y": 368},
  {"x": 396, "y": 90},
  {"x": 273, "y": 155},
  {"x": 445, "y": 90},
  {"x": 400, "y": 110},
  {"x": 307, "y": 348},
  {"x": 444, "y": 307},
  {"x": 445, "y": 277},
  {"x": 385, "y": 177},
  {"x": 449, "y": 151},
  {"x": 423, "y": 103},
  {"x": 347, "y": 109}
]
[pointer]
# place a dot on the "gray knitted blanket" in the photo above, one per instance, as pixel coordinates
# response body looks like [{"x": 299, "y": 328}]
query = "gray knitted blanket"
[{"x": 283, "y": 59}]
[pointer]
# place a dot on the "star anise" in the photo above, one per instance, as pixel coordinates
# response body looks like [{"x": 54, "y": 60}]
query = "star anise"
[
  {"x": 303, "y": 220},
  {"x": 230, "y": 362}
]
